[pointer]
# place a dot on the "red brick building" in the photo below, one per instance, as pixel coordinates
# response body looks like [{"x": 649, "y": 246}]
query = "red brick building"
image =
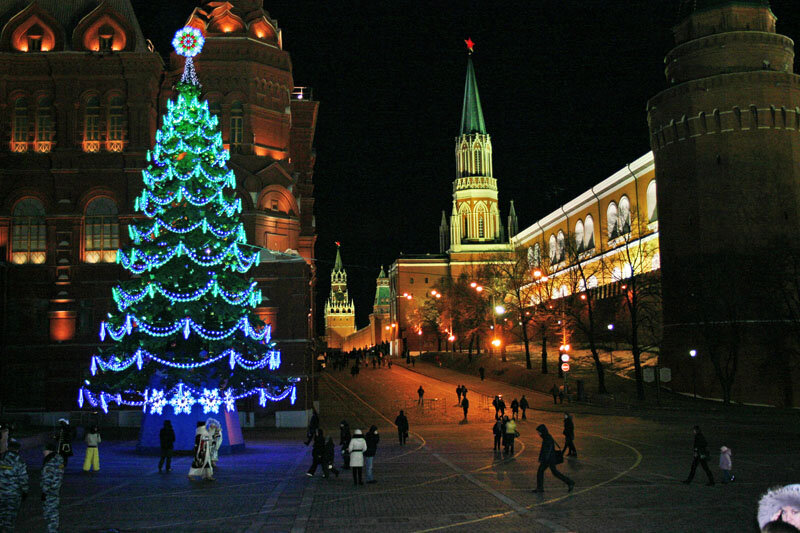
[{"x": 81, "y": 97}]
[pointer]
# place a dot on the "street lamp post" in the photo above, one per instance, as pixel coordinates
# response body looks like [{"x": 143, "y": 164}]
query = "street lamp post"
[
  {"x": 693, "y": 355},
  {"x": 611, "y": 352}
]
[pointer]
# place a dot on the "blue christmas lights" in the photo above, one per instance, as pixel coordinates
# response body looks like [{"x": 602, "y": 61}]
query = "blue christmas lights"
[{"x": 271, "y": 360}]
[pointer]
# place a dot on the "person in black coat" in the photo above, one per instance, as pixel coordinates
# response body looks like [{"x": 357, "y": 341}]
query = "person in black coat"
[
  {"x": 372, "y": 439},
  {"x": 458, "y": 393},
  {"x": 523, "y": 404},
  {"x": 313, "y": 426},
  {"x": 498, "y": 429},
  {"x": 465, "y": 407},
  {"x": 482, "y": 372},
  {"x": 501, "y": 405},
  {"x": 547, "y": 459},
  {"x": 569, "y": 436},
  {"x": 514, "y": 408},
  {"x": 317, "y": 454},
  {"x": 167, "y": 438},
  {"x": 64, "y": 440},
  {"x": 344, "y": 442},
  {"x": 328, "y": 457},
  {"x": 402, "y": 427},
  {"x": 700, "y": 455}
]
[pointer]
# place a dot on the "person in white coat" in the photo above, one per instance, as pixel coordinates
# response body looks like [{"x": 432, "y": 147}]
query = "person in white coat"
[
  {"x": 214, "y": 429},
  {"x": 357, "y": 447},
  {"x": 201, "y": 464}
]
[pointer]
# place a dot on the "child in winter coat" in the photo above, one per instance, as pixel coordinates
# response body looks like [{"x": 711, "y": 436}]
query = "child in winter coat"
[
  {"x": 725, "y": 464},
  {"x": 92, "y": 460}
]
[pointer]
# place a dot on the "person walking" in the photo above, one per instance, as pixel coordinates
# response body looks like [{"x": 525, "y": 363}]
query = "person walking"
[
  {"x": 52, "y": 477},
  {"x": 511, "y": 434},
  {"x": 497, "y": 431},
  {"x": 402, "y": 427},
  {"x": 201, "y": 462},
  {"x": 726, "y": 464},
  {"x": 465, "y": 407},
  {"x": 463, "y": 391},
  {"x": 13, "y": 484},
  {"x": 514, "y": 408},
  {"x": 700, "y": 455},
  {"x": 92, "y": 459},
  {"x": 214, "y": 429},
  {"x": 328, "y": 458},
  {"x": 547, "y": 459},
  {"x": 421, "y": 393},
  {"x": 313, "y": 426},
  {"x": 482, "y": 372},
  {"x": 523, "y": 404},
  {"x": 167, "y": 438},
  {"x": 554, "y": 392},
  {"x": 344, "y": 442},
  {"x": 372, "y": 438},
  {"x": 458, "y": 393},
  {"x": 317, "y": 454},
  {"x": 64, "y": 439},
  {"x": 496, "y": 405},
  {"x": 569, "y": 436},
  {"x": 357, "y": 447},
  {"x": 501, "y": 404},
  {"x": 562, "y": 391}
]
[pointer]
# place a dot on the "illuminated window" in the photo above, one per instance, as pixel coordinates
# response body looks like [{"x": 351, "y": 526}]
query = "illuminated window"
[
  {"x": 236, "y": 123},
  {"x": 28, "y": 238},
  {"x": 652, "y": 207},
  {"x": 464, "y": 227},
  {"x": 106, "y": 37},
  {"x": 579, "y": 243},
  {"x": 562, "y": 246},
  {"x": 611, "y": 215},
  {"x": 19, "y": 137},
  {"x": 480, "y": 227},
  {"x": 44, "y": 125},
  {"x": 477, "y": 162},
  {"x": 588, "y": 233},
  {"x": 101, "y": 231},
  {"x": 553, "y": 249},
  {"x": 116, "y": 125},
  {"x": 624, "y": 216},
  {"x": 91, "y": 125}
]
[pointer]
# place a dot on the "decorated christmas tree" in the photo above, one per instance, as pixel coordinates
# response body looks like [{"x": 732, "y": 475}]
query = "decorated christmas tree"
[{"x": 184, "y": 332}]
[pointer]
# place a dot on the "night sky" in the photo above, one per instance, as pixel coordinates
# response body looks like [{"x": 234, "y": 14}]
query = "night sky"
[{"x": 563, "y": 85}]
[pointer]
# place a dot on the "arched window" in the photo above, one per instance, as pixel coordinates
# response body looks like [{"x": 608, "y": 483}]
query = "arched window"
[
  {"x": 481, "y": 232},
  {"x": 624, "y": 216},
  {"x": 116, "y": 124},
  {"x": 477, "y": 161},
  {"x": 611, "y": 215},
  {"x": 553, "y": 251},
  {"x": 579, "y": 236},
  {"x": 101, "y": 231},
  {"x": 534, "y": 256},
  {"x": 214, "y": 110},
  {"x": 237, "y": 123},
  {"x": 44, "y": 124},
  {"x": 28, "y": 239},
  {"x": 616, "y": 274},
  {"x": 91, "y": 125},
  {"x": 19, "y": 137},
  {"x": 562, "y": 246},
  {"x": 591, "y": 283},
  {"x": 652, "y": 207},
  {"x": 588, "y": 233}
]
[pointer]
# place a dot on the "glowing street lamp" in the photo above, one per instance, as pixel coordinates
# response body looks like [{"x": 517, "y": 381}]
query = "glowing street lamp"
[
  {"x": 496, "y": 343},
  {"x": 499, "y": 309}
]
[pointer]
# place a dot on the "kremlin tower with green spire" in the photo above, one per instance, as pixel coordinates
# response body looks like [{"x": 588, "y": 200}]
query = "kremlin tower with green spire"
[{"x": 340, "y": 313}]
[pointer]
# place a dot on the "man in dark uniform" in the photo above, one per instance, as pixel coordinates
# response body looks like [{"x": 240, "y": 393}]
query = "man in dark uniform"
[{"x": 700, "y": 456}]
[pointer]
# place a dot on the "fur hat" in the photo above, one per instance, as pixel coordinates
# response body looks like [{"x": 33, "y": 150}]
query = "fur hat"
[
  {"x": 724, "y": 449},
  {"x": 357, "y": 432},
  {"x": 775, "y": 499},
  {"x": 63, "y": 420}
]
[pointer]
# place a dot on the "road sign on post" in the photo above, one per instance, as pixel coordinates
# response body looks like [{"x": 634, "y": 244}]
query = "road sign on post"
[
  {"x": 565, "y": 367},
  {"x": 665, "y": 375},
  {"x": 648, "y": 374}
]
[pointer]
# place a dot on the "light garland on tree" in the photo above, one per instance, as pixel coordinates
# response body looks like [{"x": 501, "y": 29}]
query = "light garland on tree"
[
  {"x": 185, "y": 260},
  {"x": 182, "y": 398}
]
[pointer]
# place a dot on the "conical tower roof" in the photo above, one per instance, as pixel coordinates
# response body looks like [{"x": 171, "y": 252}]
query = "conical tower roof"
[
  {"x": 382, "y": 274},
  {"x": 687, "y": 7},
  {"x": 472, "y": 114},
  {"x": 337, "y": 265}
]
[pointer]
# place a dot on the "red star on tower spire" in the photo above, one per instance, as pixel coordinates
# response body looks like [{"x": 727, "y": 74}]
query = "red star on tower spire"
[{"x": 470, "y": 44}]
